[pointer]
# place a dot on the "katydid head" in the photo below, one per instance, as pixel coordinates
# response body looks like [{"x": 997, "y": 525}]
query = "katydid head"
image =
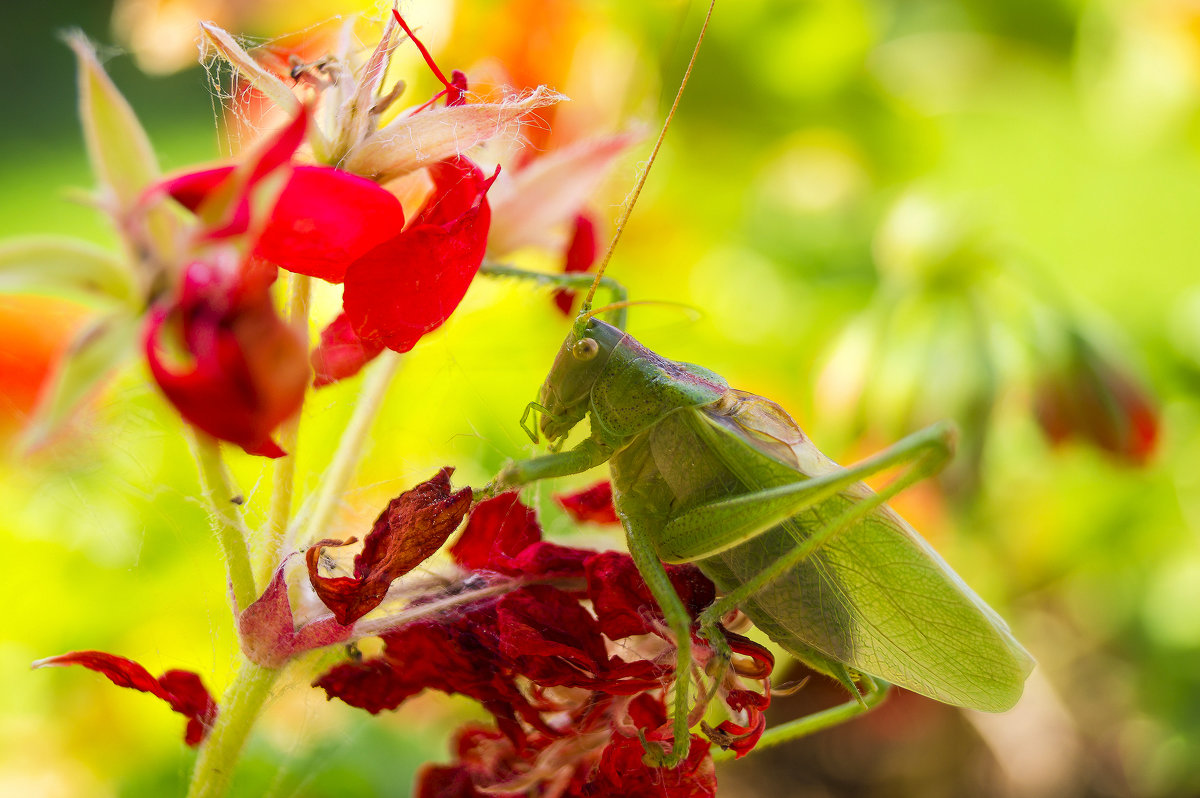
[{"x": 581, "y": 359}]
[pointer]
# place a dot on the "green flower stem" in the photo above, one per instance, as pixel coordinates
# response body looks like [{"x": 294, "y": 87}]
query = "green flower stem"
[
  {"x": 284, "y": 477},
  {"x": 231, "y": 531},
  {"x": 350, "y": 449},
  {"x": 239, "y": 708}
]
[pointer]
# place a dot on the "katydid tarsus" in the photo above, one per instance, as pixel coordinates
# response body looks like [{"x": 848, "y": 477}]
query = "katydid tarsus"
[{"x": 726, "y": 479}]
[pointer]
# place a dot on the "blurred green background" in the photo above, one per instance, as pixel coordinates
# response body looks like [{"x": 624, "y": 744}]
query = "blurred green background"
[{"x": 886, "y": 212}]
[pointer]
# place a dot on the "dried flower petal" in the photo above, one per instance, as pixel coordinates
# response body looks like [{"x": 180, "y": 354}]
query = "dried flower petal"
[
  {"x": 411, "y": 528},
  {"x": 182, "y": 690},
  {"x": 268, "y": 629},
  {"x": 411, "y": 142}
]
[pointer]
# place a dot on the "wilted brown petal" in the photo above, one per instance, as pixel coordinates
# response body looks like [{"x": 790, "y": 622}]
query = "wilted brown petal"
[{"x": 412, "y": 527}]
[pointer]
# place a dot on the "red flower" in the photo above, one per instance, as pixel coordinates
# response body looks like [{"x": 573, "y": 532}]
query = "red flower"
[
  {"x": 243, "y": 370},
  {"x": 411, "y": 528},
  {"x": 595, "y": 504},
  {"x": 410, "y": 284},
  {"x": 182, "y": 690},
  {"x": 569, "y": 689},
  {"x": 580, "y": 255},
  {"x": 1094, "y": 399}
]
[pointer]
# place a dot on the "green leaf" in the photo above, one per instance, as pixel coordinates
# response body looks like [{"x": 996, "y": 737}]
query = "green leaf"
[
  {"x": 65, "y": 264},
  {"x": 95, "y": 353}
]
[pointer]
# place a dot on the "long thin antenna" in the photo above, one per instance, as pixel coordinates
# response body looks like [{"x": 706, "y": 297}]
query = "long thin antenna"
[{"x": 627, "y": 208}]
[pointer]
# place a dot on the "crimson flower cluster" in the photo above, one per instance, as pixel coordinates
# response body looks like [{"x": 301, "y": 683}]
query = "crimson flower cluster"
[
  {"x": 565, "y": 647},
  {"x": 571, "y": 662}
]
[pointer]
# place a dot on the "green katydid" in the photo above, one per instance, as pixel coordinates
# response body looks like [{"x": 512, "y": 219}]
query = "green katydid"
[{"x": 728, "y": 481}]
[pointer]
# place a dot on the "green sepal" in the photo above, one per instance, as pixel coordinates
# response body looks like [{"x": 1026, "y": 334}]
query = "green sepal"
[
  {"x": 117, "y": 143},
  {"x": 65, "y": 264},
  {"x": 97, "y": 351}
]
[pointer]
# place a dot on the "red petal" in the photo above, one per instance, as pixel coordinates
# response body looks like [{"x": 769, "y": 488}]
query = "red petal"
[
  {"x": 497, "y": 531},
  {"x": 594, "y": 504},
  {"x": 623, "y": 602},
  {"x": 341, "y": 352},
  {"x": 580, "y": 255},
  {"x": 554, "y": 641},
  {"x": 438, "y": 781},
  {"x": 225, "y": 206},
  {"x": 622, "y": 773},
  {"x": 192, "y": 188},
  {"x": 182, "y": 690},
  {"x": 458, "y": 657},
  {"x": 249, "y": 369},
  {"x": 325, "y": 219},
  {"x": 544, "y": 559},
  {"x": 411, "y": 528},
  {"x": 409, "y": 285},
  {"x": 268, "y": 632}
]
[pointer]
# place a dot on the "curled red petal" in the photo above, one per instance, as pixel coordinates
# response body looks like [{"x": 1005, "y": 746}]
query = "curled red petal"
[
  {"x": 325, "y": 219},
  {"x": 762, "y": 661},
  {"x": 622, "y": 773},
  {"x": 268, "y": 632},
  {"x": 248, "y": 370},
  {"x": 410, "y": 529},
  {"x": 580, "y": 255},
  {"x": 341, "y": 352},
  {"x": 594, "y": 504},
  {"x": 222, "y": 195},
  {"x": 497, "y": 530},
  {"x": 183, "y": 691},
  {"x": 410, "y": 284},
  {"x": 191, "y": 189}
]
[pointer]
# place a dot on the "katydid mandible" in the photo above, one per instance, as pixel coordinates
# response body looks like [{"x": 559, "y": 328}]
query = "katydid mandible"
[{"x": 725, "y": 479}]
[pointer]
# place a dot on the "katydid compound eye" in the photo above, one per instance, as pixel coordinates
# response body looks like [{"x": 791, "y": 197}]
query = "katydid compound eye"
[{"x": 585, "y": 349}]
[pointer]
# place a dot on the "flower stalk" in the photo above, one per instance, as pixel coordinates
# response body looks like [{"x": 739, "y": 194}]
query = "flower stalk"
[
  {"x": 240, "y": 707},
  {"x": 231, "y": 531}
]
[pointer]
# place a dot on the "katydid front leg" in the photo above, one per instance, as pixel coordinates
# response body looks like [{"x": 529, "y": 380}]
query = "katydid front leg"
[{"x": 588, "y": 454}]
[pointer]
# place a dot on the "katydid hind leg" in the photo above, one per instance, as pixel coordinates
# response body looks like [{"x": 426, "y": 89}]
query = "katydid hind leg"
[
  {"x": 680, "y": 623},
  {"x": 716, "y": 526},
  {"x": 927, "y": 452}
]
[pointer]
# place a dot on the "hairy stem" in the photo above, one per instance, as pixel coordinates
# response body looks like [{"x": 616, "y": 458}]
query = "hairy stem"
[
  {"x": 284, "y": 477},
  {"x": 223, "y": 499},
  {"x": 240, "y": 707},
  {"x": 337, "y": 477}
]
